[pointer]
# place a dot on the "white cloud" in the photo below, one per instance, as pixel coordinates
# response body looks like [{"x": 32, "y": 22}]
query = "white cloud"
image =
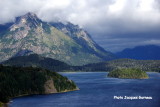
[{"x": 102, "y": 18}]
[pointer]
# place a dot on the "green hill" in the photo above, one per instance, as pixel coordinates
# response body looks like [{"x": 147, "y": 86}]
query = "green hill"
[
  {"x": 36, "y": 60},
  {"x": 20, "y": 81},
  {"x": 128, "y": 73}
]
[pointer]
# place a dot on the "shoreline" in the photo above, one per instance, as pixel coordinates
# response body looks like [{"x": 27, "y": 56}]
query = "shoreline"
[
  {"x": 7, "y": 104},
  {"x": 129, "y": 78}
]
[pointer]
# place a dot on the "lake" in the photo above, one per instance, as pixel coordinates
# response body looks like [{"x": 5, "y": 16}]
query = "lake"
[{"x": 97, "y": 90}]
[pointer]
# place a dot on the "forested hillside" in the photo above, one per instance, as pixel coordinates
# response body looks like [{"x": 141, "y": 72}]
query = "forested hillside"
[
  {"x": 146, "y": 65},
  {"x": 19, "y": 81}
]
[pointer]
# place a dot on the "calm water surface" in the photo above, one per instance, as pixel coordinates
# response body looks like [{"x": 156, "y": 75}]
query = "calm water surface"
[{"x": 97, "y": 90}]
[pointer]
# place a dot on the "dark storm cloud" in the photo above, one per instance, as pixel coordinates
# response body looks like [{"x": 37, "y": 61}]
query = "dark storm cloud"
[
  {"x": 114, "y": 24},
  {"x": 120, "y": 42}
]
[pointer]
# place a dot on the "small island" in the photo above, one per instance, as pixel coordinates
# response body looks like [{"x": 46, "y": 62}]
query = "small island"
[
  {"x": 128, "y": 73},
  {"x": 22, "y": 81}
]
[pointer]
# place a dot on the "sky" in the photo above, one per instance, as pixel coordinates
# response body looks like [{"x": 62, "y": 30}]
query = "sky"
[{"x": 113, "y": 24}]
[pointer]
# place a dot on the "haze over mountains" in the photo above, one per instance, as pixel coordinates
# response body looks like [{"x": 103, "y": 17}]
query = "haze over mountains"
[
  {"x": 64, "y": 42},
  {"x": 147, "y": 52}
]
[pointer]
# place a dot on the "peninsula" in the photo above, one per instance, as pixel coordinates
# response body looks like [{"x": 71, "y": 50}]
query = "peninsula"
[{"x": 21, "y": 81}]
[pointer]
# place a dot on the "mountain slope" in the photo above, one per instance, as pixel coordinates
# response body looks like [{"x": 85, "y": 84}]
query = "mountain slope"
[
  {"x": 30, "y": 33},
  {"x": 35, "y": 60},
  {"x": 148, "y": 52},
  {"x": 83, "y": 39}
]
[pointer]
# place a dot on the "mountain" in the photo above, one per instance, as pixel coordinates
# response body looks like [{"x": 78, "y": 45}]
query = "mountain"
[
  {"x": 145, "y": 65},
  {"x": 36, "y": 60},
  {"x": 148, "y": 52},
  {"x": 64, "y": 42},
  {"x": 21, "y": 81},
  {"x": 83, "y": 39}
]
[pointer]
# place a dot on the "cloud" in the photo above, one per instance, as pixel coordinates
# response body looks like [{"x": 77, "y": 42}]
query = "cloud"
[{"x": 110, "y": 22}]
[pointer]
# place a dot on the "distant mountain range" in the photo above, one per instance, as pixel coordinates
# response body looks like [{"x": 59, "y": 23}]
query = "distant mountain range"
[
  {"x": 148, "y": 52},
  {"x": 65, "y": 42}
]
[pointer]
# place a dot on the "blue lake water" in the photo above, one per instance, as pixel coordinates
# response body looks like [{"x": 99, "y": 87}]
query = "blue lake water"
[{"x": 97, "y": 90}]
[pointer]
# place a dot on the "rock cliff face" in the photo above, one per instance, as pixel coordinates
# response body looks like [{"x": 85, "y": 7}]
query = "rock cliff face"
[
  {"x": 49, "y": 87},
  {"x": 64, "y": 42}
]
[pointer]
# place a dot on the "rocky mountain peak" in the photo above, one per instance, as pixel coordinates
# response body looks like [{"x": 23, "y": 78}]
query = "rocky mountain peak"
[
  {"x": 30, "y": 14},
  {"x": 29, "y": 20},
  {"x": 29, "y": 17},
  {"x": 26, "y": 24}
]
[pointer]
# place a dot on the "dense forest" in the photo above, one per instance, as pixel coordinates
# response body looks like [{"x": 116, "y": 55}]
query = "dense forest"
[
  {"x": 129, "y": 73},
  {"x": 145, "y": 65},
  {"x": 36, "y": 60},
  {"x": 19, "y": 81}
]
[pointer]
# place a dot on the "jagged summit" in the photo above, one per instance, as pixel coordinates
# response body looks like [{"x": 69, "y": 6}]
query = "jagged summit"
[
  {"x": 28, "y": 20},
  {"x": 64, "y": 42},
  {"x": 29, "y": 16}
]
